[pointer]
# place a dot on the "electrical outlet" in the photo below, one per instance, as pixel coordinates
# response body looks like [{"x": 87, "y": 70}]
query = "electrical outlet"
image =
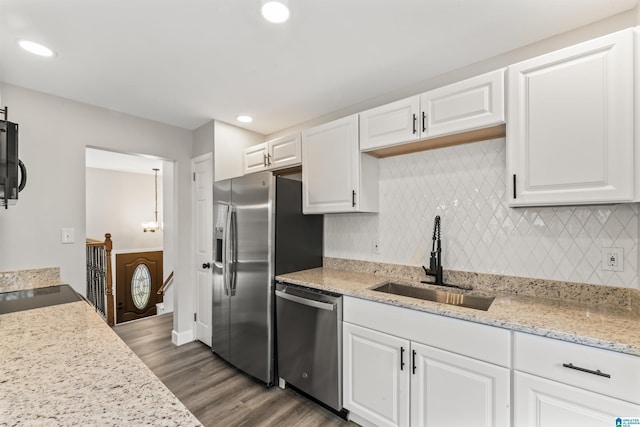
[
  {"x": 377, "y": 247},
  {"x": 612, "y": 259},
  {"x": 67, "y": 235}
]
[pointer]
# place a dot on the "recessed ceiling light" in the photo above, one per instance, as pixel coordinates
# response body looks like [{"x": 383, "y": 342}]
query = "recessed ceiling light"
[
  {"x": 275, "y": 11},
  {"x": 244, "y": 119},
  {"x": 35, "y": 48}
]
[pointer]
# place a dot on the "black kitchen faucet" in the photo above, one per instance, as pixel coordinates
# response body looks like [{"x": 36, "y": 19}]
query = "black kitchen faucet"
[{"x": 435, "y": 261}]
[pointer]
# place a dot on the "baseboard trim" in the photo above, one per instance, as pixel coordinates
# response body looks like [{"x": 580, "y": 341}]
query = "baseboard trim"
[{"x": 180, "y": 338}]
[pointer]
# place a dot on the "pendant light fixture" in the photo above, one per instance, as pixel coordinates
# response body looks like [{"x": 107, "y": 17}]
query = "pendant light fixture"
[{"x": 153, "y": 226}]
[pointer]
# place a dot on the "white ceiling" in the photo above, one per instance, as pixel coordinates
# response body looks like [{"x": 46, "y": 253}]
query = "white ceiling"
[{"x": 185, "y": 62}]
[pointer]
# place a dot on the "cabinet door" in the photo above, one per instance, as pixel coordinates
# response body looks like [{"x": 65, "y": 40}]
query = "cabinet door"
[
  {"x": 284, "y": 151},
  {"x": 570, "y": 132},
  {"x": 255, "y": 158},
  {"x": 390, "y": 124},
  {"x": 467, "y": 105},
  {"x": 543, "y": 403},
  {"x": 331, "y": 167},
  {"x": 449, "y": 389},
  {"x": 375, "y": 376}
]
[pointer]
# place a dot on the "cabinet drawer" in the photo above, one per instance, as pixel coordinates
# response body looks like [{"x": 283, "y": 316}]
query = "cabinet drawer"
[
  {"x": 482, "y": 342},
  {"x": 565, "y": 362}
]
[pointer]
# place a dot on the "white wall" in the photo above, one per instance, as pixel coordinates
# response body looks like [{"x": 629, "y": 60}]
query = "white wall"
[
  {"x": 230, "y": 141},
  {"x": 615, "y": 23},
  {"x": 117, "y": 203},
  {"x": 554, "y": 243},
  {"x": 203, "y": 139},
  {"x": 169, "y": 215},
  {"x": 53, "y": 135},
  {"x": 466, "y": 186}
]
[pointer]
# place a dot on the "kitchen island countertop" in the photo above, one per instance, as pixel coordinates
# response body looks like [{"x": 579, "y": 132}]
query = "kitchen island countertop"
[
  {"x": 63, "y": 365},
  {"x": 600, "y": 326}
]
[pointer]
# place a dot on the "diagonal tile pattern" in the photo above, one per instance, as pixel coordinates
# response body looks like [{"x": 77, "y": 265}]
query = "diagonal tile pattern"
[{"x": 465, "y": 185}]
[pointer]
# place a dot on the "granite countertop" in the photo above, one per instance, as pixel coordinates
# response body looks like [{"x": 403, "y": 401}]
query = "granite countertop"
[
  {"x": 63, "y": 365},
  {"x": 600, "y": 326}
]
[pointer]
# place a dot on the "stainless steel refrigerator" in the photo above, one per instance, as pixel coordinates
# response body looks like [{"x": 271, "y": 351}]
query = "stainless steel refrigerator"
[{"x": 260, "y": 232}]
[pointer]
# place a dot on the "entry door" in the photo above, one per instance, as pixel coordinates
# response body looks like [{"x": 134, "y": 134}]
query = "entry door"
[
  {"x": 138, "y": 278},
  {"x": 202, "y": 168}
]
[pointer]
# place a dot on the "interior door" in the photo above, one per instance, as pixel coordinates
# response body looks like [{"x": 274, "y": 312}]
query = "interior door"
[
  {"x": 251, "y": 276},
  {"x": 202, "y": 168},
  {"x": 138, "y": 278}
]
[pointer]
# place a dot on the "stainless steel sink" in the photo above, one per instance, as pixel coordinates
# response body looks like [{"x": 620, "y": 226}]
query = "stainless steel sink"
[{"x": 470, "y": 301}]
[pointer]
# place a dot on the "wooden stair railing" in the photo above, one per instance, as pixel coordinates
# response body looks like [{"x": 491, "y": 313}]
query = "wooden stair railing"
[
  {"x": 165, "y": 284},
  {"x": 99, "y": 269}
]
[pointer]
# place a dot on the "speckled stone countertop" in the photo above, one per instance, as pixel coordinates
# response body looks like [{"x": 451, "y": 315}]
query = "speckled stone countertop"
[
  {"x": 62, "y": 365},
  {"x": 29, "y": 279},
  {"x": 603, "y": 326}
]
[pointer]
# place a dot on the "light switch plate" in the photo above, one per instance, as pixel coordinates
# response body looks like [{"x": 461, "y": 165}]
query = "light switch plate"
[
  {"x": 67, "y": 235},
  {"x": 613, "y": 259}
]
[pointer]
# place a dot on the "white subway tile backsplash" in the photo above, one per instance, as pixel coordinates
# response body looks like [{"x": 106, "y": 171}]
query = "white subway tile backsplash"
[{"x": 465, "y": 185}]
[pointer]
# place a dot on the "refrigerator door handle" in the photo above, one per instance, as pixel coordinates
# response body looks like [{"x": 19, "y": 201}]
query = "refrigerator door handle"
[
  {"x": 226, "y": 271},
  {"x": 233, "y": 263}
]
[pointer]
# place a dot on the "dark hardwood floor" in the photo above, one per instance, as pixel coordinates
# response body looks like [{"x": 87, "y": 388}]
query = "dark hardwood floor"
[{"x": 214, "y": 391}]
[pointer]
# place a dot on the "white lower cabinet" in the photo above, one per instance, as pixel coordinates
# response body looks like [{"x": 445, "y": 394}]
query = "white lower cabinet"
[
  {"x": 558, "y": 383},
  {"x": 539, "y": 402},
  {"x": 449, "y": 389},
  {"x": 376, "y": 377},
  {"x": 394, "y": 381}
]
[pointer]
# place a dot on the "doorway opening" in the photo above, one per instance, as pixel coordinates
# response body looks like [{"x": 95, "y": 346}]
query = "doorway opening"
[{"x": 125, "y": 193}]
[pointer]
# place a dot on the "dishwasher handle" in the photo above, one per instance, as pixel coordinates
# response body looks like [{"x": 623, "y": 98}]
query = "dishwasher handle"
[{"x": 305, "y": 301}]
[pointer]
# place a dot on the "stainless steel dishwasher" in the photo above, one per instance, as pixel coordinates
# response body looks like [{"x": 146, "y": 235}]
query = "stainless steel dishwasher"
[{"x": 309, "y": 342}]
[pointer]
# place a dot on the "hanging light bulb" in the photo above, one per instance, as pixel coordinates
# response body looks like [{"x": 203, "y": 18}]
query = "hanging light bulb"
[{"x": 153, "y": 226}]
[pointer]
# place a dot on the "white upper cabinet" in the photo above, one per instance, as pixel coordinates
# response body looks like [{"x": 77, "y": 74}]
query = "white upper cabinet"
[
  {"x": 570, "y": 133},
  {"x": 390, "y": 124},
  {"x": 275, "y": 154},
  {"x": 255, "y": 158},
  {"x": 460, "y": 107},
  {"x": 474, "y": 103},
  {"x": 285, "y": 151},
  {"x": 336, "y": 177}
]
